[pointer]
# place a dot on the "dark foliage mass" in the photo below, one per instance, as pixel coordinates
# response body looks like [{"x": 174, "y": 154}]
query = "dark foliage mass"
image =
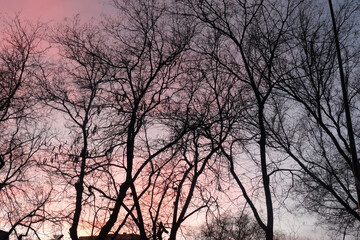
[
  {"x": 168, "y": 113},
  {"x": 231, "y": 227}
]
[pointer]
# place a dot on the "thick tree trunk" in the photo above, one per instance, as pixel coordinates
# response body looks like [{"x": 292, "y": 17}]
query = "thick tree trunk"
[
  {"x": 265, "y": 176},
  {"x": 79, "y": 190}
]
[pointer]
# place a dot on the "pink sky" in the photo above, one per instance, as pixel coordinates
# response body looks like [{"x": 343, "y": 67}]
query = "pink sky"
[{"x": 57, "y": 10}]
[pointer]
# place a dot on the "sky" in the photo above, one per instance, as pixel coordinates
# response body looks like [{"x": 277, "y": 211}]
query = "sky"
[{"x": 56, "y": 10}]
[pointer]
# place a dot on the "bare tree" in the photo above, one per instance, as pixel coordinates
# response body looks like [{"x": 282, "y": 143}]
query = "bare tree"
[
  {"x": 147, "y": 60},
  {"x": 22, "y": 197},
  {"x": 313, "y": 127},
  {"x": 355, "y": 166},
  {"x": 250, "y": 44},
  {"x": 111, "y": 93},
  {"x": 73, "y": 90}
]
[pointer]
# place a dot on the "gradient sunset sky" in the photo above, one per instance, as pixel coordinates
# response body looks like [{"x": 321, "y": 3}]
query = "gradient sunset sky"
[{"x": 56, "y": 10}]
